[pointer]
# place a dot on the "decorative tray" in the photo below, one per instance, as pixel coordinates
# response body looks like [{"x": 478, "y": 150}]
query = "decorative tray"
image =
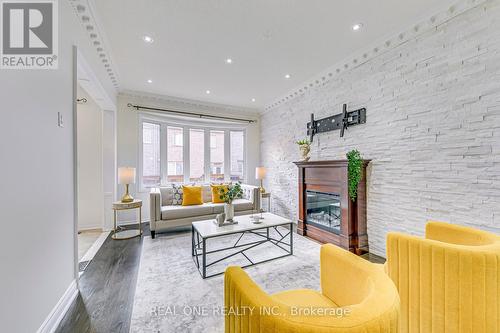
[{"x": 225, "y": 223}]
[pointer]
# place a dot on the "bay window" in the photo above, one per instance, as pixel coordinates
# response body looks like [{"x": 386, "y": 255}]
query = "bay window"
[
  {"x": 151, "y": 175},
  {"x": 174, "y": 152},
  {"x": 196, "y": 155},
  {"x": 237, "y": 153},
  {"x": 216, "y": 156}
]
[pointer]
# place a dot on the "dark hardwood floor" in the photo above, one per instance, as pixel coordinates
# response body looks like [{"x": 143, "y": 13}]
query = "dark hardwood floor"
[
  {"x": 107, "y": 289},
  {"x": 373, "y": 258}
]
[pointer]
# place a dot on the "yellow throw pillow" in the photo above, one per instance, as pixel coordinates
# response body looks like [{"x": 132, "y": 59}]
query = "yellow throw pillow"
[
  {"x": 192, "y": 195},
  {"x": 216, "y": 192}
]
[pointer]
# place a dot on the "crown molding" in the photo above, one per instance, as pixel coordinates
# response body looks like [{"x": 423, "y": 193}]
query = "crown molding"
[
  {"x": 183, "y": 104},
  {"x": 86, "y": 13},
  {"x": 377, "y": 49}
]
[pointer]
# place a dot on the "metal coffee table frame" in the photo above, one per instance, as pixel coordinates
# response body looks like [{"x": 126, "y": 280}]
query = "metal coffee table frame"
[{"x": 199, "y": 246}]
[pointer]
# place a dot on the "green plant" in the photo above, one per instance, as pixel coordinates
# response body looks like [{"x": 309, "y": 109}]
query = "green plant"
[
  {"x": 354, "y": 167},
  {"x": 234, "y": 192},
  {"x": 303, "y": 142}
]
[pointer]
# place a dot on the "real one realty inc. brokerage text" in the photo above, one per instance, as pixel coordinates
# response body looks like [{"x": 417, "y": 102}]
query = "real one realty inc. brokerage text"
[{"x": 189, "y": 310}]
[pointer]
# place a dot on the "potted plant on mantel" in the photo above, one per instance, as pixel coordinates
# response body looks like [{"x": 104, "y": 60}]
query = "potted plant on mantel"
[
  {"x": 234, "y": 192},
  {"x": 305, "y": 148}
]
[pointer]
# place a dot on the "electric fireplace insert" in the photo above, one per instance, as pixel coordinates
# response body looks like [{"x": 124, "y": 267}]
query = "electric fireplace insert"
[{"x": 323, "y": 210}]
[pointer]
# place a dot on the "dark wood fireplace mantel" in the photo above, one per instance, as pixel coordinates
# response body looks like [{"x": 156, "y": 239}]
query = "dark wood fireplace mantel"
[{"x": 330, "y": 179}]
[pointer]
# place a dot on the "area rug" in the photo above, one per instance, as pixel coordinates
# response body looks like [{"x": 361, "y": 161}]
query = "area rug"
[{"x": 171, "y": 296}]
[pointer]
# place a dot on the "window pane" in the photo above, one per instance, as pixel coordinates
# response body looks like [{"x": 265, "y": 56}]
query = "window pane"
[
  {"x": 237, "y": 155},
  {"x": 196, "y": 155},
  {"x": 217, "y": 155},
  {"x": 175, "y": 154},
  {"x": 150, "y": 154}
]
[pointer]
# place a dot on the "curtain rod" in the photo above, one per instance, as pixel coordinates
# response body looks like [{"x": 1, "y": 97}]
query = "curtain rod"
[{"x": 191, "y": 114}]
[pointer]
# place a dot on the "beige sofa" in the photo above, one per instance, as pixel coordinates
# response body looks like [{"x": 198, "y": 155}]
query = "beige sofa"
[{"x": 164, "y": 215}]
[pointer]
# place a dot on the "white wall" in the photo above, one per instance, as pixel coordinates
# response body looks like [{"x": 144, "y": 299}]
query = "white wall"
[
  {"x": 37, "y": 251},
  {"x": 128, "y": 140},
  {"x": 90, "y": 163},
  {"x": 432, "y": 130},
  {"x": 109, "y": 165}
]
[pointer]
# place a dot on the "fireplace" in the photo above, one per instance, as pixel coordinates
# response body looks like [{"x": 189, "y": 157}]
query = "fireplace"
[
  {"x": 323, "y": 210},
  {"x": 326, "y": 213}
]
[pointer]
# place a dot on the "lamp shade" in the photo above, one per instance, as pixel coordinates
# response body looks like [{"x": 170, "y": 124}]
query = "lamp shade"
[
  {"x": 126, "y": 175},
  {"x": 260, "y": 173}
]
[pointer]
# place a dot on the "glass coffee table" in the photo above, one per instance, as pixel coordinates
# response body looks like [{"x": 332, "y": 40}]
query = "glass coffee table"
[{"x": 272, "y": 231}]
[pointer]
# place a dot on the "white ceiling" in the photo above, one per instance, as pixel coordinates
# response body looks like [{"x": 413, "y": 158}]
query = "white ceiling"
[{"x": 266, "y": 39}]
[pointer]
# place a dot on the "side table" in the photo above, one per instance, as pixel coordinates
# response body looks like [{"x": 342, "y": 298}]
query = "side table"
[
  {"x": 267, "y": 196},
  {"x": 127, "y": 233}
]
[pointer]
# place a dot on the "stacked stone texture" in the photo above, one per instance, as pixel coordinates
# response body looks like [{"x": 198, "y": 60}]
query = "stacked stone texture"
[{"x": 432, "y": 131}]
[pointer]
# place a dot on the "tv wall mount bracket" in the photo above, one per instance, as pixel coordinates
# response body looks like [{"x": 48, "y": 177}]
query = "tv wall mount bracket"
[{"x": 339, "y": 121}]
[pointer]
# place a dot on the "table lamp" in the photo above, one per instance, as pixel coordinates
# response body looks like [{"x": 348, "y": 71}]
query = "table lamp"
[
  {"x": 260, "y": 174},
  {"x": 126, "y": 175}
]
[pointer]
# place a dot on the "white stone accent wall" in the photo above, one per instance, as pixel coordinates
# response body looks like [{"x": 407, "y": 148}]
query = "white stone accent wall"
[{"x": 432, "y": 131}]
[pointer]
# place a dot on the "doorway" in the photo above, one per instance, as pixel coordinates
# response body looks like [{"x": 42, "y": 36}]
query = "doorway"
[{"x": 95, "y": 164}]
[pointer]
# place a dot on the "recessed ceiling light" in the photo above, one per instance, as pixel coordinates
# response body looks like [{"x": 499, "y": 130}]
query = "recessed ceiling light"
[
  {"x": 207, "y": 92},
  {"x": 148, "y": 39},
  {"x": 253, "y": 99},
  {"x": 357, "y": 26},
  {"x": 150, "y": 81},
  {"x": 229, "y": 61},
  {"x": 287, "y": 76}
]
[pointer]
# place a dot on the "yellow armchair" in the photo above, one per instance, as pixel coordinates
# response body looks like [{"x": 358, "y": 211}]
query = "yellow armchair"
[
  {"x": 449, "y": 281},
  {"x": 356, "y": 296}
]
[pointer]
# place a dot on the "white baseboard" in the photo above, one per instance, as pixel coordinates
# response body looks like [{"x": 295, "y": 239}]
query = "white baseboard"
[
  {"x": 96, "y": 228},
  {"x": 56, "y": 315}
]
